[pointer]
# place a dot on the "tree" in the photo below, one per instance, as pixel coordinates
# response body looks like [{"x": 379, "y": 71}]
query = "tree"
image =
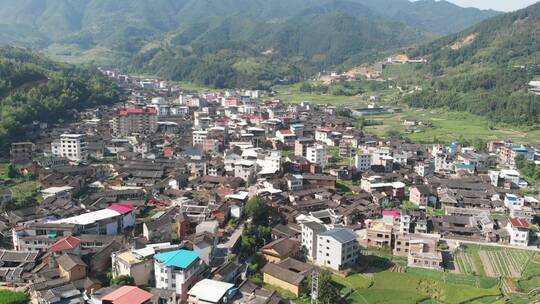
[
  {"x": 12, "y": 171},
  {"x": 123, "y": 280},
  {"x": 257, "y": 210}
]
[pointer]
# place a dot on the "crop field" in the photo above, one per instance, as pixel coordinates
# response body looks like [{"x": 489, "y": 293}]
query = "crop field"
[{"x": 492, "y": 261}]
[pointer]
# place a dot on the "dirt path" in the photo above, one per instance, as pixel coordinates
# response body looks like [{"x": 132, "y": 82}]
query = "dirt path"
[{"x": 486, "y": 261}]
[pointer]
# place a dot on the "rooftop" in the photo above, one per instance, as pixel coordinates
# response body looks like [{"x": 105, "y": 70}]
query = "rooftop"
[
  {"x": 128, "y": 295},
  {"x": 179, "y": 258},
  {"x": 210, "y": 291}
]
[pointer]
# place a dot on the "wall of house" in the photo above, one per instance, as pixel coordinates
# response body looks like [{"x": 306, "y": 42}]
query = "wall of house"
[{"x": 268, "y": 279}]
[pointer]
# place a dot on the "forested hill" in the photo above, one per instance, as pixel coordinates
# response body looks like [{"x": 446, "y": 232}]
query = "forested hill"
[
  {"x": 486, "y": 68},
  {"x": 50, "y": 91},
  {"x": 243, "y": 52}
]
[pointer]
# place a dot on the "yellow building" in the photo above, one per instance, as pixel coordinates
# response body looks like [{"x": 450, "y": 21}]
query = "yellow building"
[{"x": 288, "y": 274}]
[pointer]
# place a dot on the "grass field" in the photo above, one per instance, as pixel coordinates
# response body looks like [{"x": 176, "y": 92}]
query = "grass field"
[
  {"x": 11, "y": 297},
  {"x": 392, "y": 287},
  {"x": 450, "y": 126}
]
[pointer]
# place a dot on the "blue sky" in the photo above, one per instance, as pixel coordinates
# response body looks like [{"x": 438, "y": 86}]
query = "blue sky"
[{"x": 500, "y": 5}]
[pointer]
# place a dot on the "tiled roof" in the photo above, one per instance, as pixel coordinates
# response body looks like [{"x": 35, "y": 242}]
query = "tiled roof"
[
  {"x": 128, "y": 295},
  {"x": 66, "y": 243}
]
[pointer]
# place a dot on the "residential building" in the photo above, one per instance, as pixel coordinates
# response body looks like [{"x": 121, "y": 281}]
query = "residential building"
[
  {"x": 177, "y": 270},
  {"x": 210, "y": 292},
  {"x": 71, "y": 267},
  {"x": 419, "y": 195},
  {"x": 280, "y": 249},
  {"x": 72, "y": 147},
  {"x": 317, "y": 155},
  {"x": 337, "y": 248},
  {"x": 128, "y": 121},
  {"x": 310, "y": 231},
  {"x": 289, "y": 274},
  {"x": 127, "y": 295},
  {"x": 362, "y": 162},
  {"x": 110, "y": 221},
  {"x": 518, "y": 229},
  {"x": 21, "y": 152},
  {"x": 137, "y": 263}
]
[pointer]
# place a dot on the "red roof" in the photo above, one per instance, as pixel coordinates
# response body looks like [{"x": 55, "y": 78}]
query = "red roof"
[
  {"x": 391, "y": 213},
  {"x": 121, "y": 208},
  {"x": 131, "y": 111},
  {"x": 325, "y": 130},
  {"x": 520, "y": 223},
  {"x": 128, "y": 295},
  {"x": 67, "y": 243},
  {"x": 286, "y": 132}
]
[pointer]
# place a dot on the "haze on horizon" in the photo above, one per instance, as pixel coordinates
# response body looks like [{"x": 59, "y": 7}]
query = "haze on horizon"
[{"x": 499, "y": 5}]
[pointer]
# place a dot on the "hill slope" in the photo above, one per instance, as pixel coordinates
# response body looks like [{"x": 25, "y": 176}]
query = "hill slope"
[
  {"x": 258, "y": 54},
  {"x": 486, "y": 68},
  {"x": 36, "y": 89},
  {"x": 96, "y": 22}
]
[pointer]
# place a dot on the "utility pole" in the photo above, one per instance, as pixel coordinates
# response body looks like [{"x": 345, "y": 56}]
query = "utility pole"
[{"x": 315, "y": 286}]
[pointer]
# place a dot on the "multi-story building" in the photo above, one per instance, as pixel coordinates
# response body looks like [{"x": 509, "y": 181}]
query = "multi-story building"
[
  {"x": 362, "y": 162},
  {"x": 310, "y": 231},
  {"x": 199, "y": 137},
  {"x": 71, "y": 146},
  {"x": 518, "y": 229},
  {"x": 177, "y": 270},
  {"x": 317, "y": 155},
  {"x": 137, "y": 263},
  {"x": 337, "y": 248},
  {"x": 21, "y": 152},
  {"x": 127, "y": 121}
]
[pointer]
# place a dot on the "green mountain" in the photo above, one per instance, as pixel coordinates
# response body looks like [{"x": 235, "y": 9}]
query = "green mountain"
[
  {"x": 260, "y": 54},
  {"x": 95, "y": 22},
  {"x": 486, "y": 68},
  {"x": 33, "y": 88}
]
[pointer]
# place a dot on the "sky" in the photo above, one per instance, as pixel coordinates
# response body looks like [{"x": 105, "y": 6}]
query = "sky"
[{"x": 499, "y": 5}]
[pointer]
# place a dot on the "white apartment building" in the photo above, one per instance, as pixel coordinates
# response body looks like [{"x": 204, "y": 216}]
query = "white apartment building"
[
  {"x": 317, "y": 155},
  {"x": 518, "y": 229},
  {"x": 362, "y": 162},
  {"x": 337, "y": 248},
  {"x": 177, "y": 270},
  {"x": 199, "y": 137},
  {"x": 310, "y": 231},
  {"x": 72, "y": 147}
]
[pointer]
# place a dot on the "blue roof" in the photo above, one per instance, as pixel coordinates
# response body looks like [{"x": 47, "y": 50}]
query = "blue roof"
[
  {"x": 520, "y": 149},
  {"x": 179, "y": 258}
]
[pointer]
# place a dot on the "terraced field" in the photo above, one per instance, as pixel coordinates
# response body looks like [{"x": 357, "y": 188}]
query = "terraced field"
[{"x": 492, "y": 261}]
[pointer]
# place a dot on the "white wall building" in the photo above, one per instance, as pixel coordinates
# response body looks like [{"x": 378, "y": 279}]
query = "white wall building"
[
  {"x": 362, "y": 162},
  {"x": 518, "y": 229},
  {"x": 337, "y": 248},
  {"x": 72, "y": 147},
  {"x": 317, "y": 155},
  {"x": 310, "y": 231},
  {"x": 177, "y": 270}
]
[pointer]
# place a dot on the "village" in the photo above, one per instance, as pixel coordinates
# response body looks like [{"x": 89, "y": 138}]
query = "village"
[{"x": 233, "y": 196}]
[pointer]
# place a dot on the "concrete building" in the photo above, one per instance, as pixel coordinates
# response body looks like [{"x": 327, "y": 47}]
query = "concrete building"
[
  {"x": 21, "y": 152},
  {"x": 310, "y": 231},
  {"x": 317, "y": 155},
  {"x": 362, "y": 162},
  {"x": 137, "y": 263},
  {"x": 337, "y": 248},
  {"x": 72, "y": 147},
  {"x": 518, "y": 229},
  {"x": 128, "y": 121},
  {"x": 178, "y": 271}
]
